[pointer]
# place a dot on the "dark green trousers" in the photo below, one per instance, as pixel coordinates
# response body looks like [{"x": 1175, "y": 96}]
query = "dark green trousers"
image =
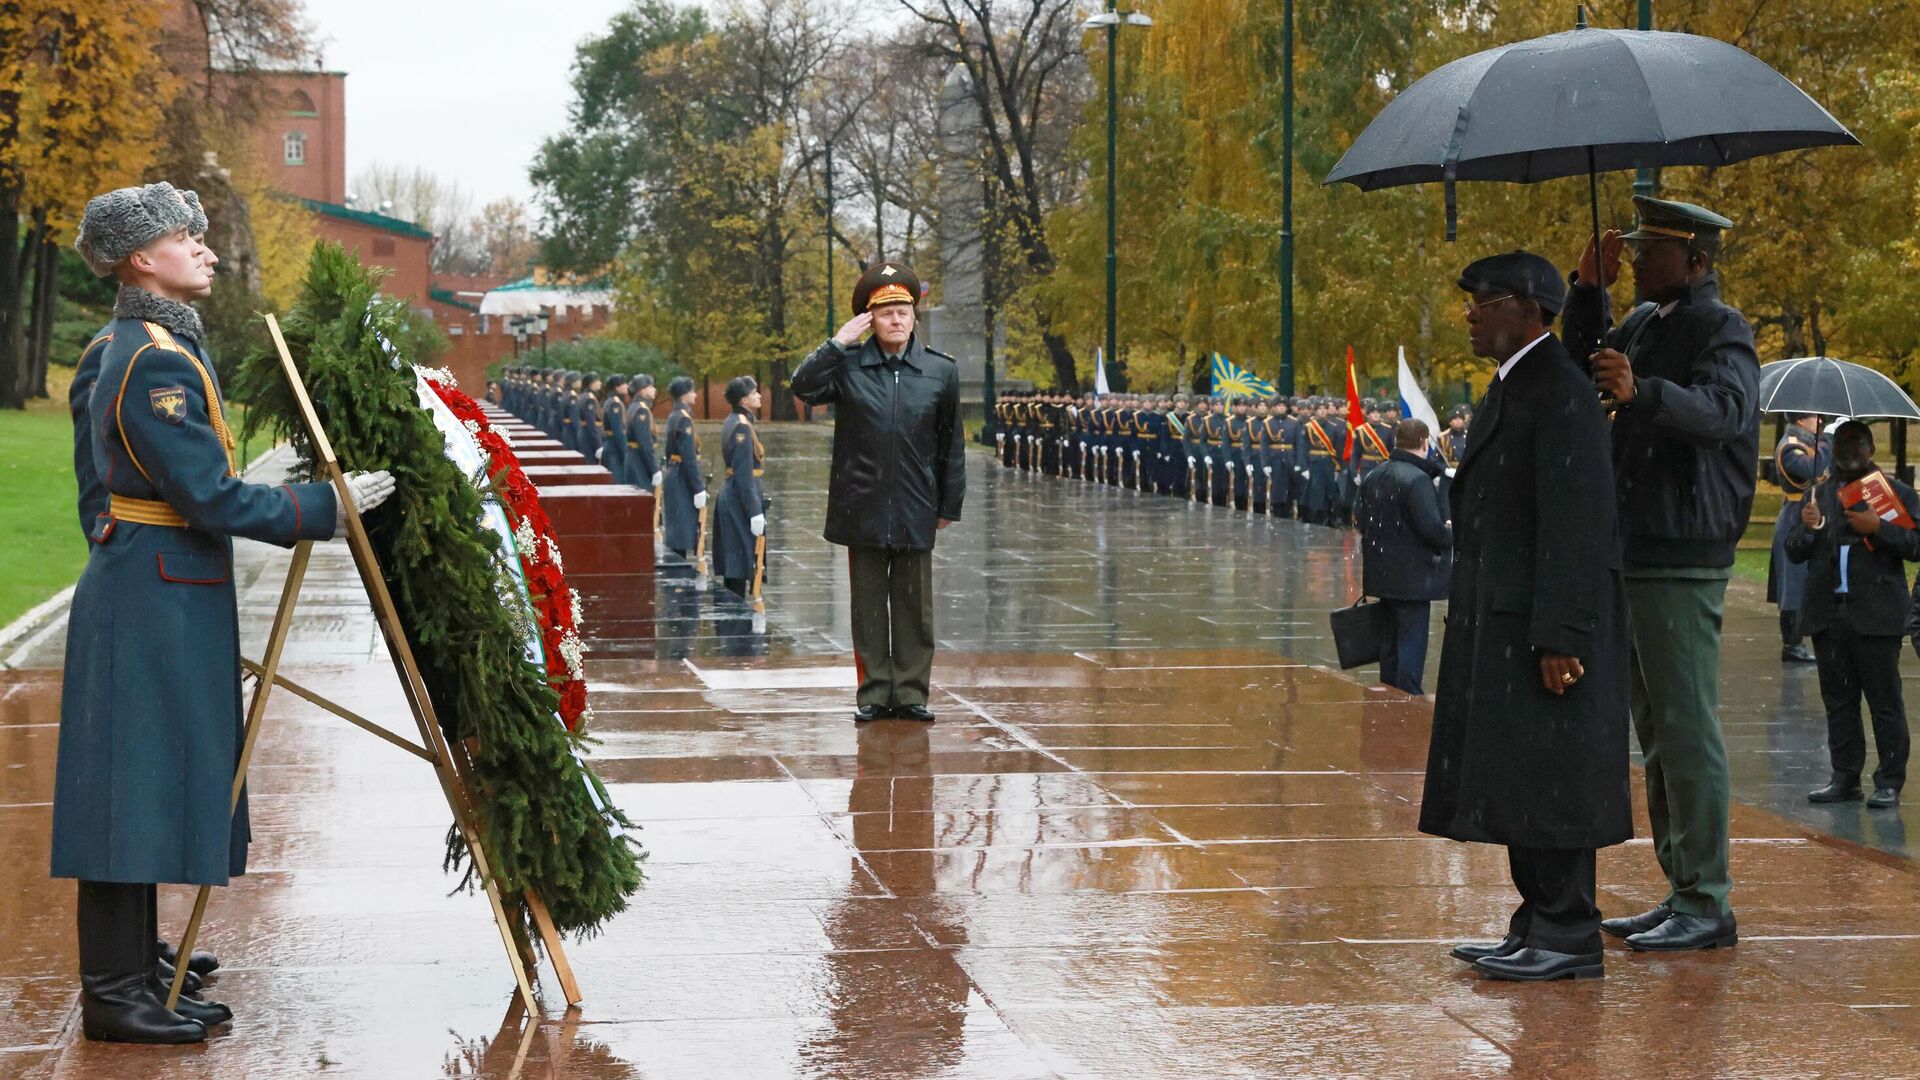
[
  {"x": 892, "y": 624},
  {"x": 1676, "y": 714}
]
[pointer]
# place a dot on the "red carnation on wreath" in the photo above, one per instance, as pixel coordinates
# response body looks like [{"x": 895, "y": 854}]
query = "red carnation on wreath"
[{"x": 556, "y": 607}]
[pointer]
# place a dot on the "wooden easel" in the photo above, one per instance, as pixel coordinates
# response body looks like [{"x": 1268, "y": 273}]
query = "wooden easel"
[{"x": 452, "y": 763}]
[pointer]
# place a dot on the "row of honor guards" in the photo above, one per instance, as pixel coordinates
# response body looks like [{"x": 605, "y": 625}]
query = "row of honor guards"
[
  {"x": 611, "y": 421},
  {"x": 1278, "y": 456}
]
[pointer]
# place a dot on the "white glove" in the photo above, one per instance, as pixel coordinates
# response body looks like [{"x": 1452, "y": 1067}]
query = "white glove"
[
  {"x": 1136, "y": 455},
  {"x": 657, "y": 476},
  {"x": 700, "y": 500},
  {"x": 1266, "y": 470},
  {"x": 368, "y": 490},
  {"x": 758, "y": 524},
  {"x": 1209, "y": 463},
  {"x": 599, "y": 452},
  {"x": 1249, "y": 470}
]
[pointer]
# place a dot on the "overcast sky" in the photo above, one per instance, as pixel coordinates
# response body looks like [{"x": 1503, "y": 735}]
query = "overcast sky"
[
  {"x": 465, "y": 90},
  {"x": 468, "y": 90}
]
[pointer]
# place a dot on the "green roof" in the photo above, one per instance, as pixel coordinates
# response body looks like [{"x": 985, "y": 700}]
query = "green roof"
[
  {"x": 364, "y": 217},
  {"x": 447, "y": 296}
]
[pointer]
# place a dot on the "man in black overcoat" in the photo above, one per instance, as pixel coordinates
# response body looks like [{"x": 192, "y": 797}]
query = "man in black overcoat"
[{"x": 1529, "y": 742}]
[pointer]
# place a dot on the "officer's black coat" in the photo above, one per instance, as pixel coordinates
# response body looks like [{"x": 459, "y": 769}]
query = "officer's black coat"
[
  {"x": 1536, "y": 568},
  {"x": 899, "y": 453},
  {"x": 739, "y": 499}
]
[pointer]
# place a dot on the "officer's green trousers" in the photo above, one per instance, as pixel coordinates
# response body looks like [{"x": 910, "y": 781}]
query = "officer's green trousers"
[
  {"x": 1676, "y": 714},
  {"x": 892, "y": 624}
]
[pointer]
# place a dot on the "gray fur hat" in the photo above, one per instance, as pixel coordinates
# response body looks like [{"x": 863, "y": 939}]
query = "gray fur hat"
[{"x": 121, "y": 222}]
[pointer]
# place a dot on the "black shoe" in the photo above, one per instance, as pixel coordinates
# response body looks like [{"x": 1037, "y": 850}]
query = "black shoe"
[
  {"x": 1628, "y": 925},
  {"x": 1685, "y": 933},
  {"x": 208, "y": 1014},
  {"x": 1836, "y": 792},
  {"x": 914, "y": 712},
  {"x": 1475, "y": 951},
  {"x": 868, "y": 712},
  {"x": 1883, "y": 798},
  {"x": 128, "y": 1009},
  {"x": 164, "y": 972},
  {"x": 1796, "y": 654},
  {"x": 1542, "y": 965},
  {"x": 202, "y": 962}
]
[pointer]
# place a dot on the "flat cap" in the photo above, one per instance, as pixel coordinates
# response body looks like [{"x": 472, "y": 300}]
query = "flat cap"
[
  {"x": 1522, "y": 273},
  {"x": 122, "y": 221}
]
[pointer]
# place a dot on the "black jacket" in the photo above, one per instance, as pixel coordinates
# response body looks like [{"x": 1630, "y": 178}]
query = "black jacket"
[
  {"x": 899, "y": 453},
  {"x": 1536, "y": 569},
  {"x": 1684, "y": 450},
  {"x": 1877, "y": 600},
  {"x": 1406, "y": 541}
]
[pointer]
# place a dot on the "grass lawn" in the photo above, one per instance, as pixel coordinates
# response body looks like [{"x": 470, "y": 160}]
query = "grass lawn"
[
  {"x": 41, "y": 546},
  {"x": 1752, "y": 564}
]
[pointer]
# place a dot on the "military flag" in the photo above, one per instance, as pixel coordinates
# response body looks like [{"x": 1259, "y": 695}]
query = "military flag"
[{"x": 1232, "y": 380}]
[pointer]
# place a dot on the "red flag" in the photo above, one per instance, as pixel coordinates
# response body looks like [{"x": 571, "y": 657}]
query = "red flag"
[{"x": 1356, "y": 416}]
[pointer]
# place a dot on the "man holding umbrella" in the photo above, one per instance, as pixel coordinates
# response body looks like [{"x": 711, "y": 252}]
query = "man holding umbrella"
[
  {"x": 1802, "y": 457},
  {"x": 1683, "y": 380}
]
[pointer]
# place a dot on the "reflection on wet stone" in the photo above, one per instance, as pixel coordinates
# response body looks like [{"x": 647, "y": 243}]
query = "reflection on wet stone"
[{"x": 1152, "y": 834}]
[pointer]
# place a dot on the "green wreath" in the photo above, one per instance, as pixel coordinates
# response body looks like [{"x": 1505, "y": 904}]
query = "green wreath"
[{"x": 541, "y": 828}]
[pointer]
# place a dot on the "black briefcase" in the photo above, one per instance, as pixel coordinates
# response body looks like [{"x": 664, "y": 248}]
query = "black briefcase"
[{"x": 1356, "y": 633}]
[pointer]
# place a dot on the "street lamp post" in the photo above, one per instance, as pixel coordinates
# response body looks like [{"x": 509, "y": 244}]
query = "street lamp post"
[
  {"x": 989, "y": 256},
  {"x": 540, "y": 324},
  {"x": 1110, "y": 21},
  {"x": 1285, "y": 385},
  {"x": 828, "y": 146}
]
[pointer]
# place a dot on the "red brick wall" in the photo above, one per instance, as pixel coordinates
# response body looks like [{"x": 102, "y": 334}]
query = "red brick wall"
[
  {"x": 324, "y": 175},
  {"x": 407, "y": 256}
]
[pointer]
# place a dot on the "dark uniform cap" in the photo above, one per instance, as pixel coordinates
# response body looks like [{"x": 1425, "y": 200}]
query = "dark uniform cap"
[
  {"x": 886, "y": 283},
  {"x": 1665, "y": 219},
  {"x": 615, "y": 382},
  {"x": 1460, "y": 411},
  {"x": 739, "y": 387},
  {"x": 642, "y": 381},
  {"x": 1522, "y": 273},
  {"x": 679, "y": 387}
]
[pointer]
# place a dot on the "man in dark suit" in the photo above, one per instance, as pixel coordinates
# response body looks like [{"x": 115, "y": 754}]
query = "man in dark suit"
[
  {"x": 1407, "y": 544},
  {"x": 1855, "y": 608},
  {"x": 1529, "y": 742}
]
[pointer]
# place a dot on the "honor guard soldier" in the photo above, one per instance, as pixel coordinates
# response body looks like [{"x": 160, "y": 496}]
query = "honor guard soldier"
[
  {"x": 643, "y": 462},
  {"x": 741, "y": 514},
  {"x": 1800, "y": 459},
  {"x": 1196, "y": 448},
  {"x": 1179, "y": 410},
  {"x": 1373, "y": 442},
  {"x": 1048, "y": 427},
  {"x": 613, "y": 428},
  {"x": 1682, "y": 380},
  {"x": 1321, "y": 447},
  {"x": 587, "y": 416},
  {"x": 1453, "y": 441},
  {"x": 150, "y": 723},
  {"x": 569, "y": 405},
  {"x": 683, "y": 493},
  {"x": 1237, "y": 425}
]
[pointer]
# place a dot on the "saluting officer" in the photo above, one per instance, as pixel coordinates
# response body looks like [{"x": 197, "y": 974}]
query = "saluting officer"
[
  {"x": 150, "y": 722},
  {"x": 683, "y": 492},
  {"x": 1800, "y": 459},
  {"x": 643, "y": 463},
  {"x": 741, "y": 513}
]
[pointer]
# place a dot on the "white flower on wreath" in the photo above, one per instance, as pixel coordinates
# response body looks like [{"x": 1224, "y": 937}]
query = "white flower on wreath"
[
  {"x": 575, "y": 595},
  {"x": 443, "y": 376},
  {"x": 553, "y": 554},
  {"x": 573, "y": 653},
  {"x": 472, "y": 426},
  {"x": 586, "y": 716},
  {"x": 524, "y": 540}
]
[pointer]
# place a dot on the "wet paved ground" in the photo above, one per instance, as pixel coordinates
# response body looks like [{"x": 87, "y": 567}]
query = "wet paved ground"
[{"x": 1150, "y": 836}]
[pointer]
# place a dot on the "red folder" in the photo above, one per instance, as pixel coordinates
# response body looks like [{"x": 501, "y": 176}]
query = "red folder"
[{"x": 1877, "y": 492}]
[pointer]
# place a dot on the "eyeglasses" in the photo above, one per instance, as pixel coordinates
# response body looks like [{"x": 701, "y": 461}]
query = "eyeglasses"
[{"x": 1470, "y": 306}]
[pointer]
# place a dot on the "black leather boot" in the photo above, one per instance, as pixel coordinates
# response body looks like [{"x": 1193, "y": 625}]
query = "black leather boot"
[
  {"x": 201, "y": 963},
  {"x": 1792, "y": 647},
  {"x": 210, "y": 1014},
  {"x": 119, "y": 1001}
]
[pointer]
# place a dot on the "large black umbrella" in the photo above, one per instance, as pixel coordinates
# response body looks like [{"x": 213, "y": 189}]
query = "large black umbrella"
[
  {"x": 1827, "y": 387},
  {"x": 1586, "y": 100}
]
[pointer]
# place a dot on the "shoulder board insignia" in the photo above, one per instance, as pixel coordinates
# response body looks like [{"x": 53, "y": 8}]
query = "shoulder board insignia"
[
  {"x": 936, "y": 352},
  {"x": 169, "y": 403},
  {"x": 740, "y": 436},
  {"x": 162, "y": 338}
]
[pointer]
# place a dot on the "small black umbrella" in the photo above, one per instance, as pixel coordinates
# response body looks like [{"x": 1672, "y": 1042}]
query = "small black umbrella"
[
  {"x": 1828, "y": 387},
  {"x": 1586, "y": 100}
]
